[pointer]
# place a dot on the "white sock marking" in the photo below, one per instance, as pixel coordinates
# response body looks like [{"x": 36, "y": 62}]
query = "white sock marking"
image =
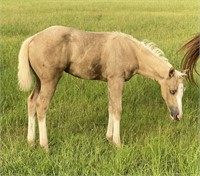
[
  {"x": 31, "y": 129},
  {"x": 109, "y": 133},
  {"x": 116, "y": 133},
  {"x": 43, "y": 133}
]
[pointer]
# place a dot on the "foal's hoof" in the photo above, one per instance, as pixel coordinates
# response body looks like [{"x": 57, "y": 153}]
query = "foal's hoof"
[
  {"x": 31, "y": 143},
  {"x": 117, "y": 145},
  {"x": 46, "y": 148},
  {"x": 110, "y": 140}
]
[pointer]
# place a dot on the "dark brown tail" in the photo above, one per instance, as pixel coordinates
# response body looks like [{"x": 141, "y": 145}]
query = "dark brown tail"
[{"x": 189, "y": 61}]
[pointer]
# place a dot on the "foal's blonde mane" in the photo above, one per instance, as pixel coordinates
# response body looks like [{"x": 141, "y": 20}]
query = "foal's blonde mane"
[
  {"x": 154, "y": 49},
  {"x": 148, "y": 45}
]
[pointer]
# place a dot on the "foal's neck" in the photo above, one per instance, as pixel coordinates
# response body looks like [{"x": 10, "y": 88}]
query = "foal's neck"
[{"x": 153, "y": 67}]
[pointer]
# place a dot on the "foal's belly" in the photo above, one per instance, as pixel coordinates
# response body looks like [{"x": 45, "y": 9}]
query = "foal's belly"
[{"x": 86, "y": 71}]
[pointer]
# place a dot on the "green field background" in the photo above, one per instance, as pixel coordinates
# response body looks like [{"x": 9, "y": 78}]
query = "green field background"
[{"x": 152, "y": 144}]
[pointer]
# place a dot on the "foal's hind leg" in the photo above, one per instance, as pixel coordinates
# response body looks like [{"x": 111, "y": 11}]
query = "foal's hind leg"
[
  {"x": 46, "y": 92},
  {"x": 32, "y": 112}
]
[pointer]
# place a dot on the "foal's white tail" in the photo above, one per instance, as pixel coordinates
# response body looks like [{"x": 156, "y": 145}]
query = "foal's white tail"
[{"x": 24, "y": 71}]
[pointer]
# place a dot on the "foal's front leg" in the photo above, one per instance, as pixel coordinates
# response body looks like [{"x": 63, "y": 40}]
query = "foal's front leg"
[{"x": 115, "y": 88}]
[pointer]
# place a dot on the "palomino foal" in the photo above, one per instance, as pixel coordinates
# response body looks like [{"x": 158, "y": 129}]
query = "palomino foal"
[{"x": 108, "y": 56}]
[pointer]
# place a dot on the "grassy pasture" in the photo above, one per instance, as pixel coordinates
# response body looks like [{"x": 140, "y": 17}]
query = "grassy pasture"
[{"x": 77, "y": 116}]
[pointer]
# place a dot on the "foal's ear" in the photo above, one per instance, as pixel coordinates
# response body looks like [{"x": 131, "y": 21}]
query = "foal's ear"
[
  {"x": 171, "y": 72},
  {"x": 184, "y": 72}
]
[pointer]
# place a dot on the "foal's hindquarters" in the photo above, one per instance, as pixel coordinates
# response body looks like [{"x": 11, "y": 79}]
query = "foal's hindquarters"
[{"x": 47, "y": 76}]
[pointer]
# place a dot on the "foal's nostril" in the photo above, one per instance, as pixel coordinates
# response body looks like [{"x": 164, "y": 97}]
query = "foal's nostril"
[{"x": 176, "y": 117}]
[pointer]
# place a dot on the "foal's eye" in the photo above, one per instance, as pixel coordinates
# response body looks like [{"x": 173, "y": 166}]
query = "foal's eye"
[{"x": 172, "y": 92}]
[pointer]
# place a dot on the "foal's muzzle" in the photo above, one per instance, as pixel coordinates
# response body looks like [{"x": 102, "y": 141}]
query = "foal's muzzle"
[{"x": 175, "y": 114}]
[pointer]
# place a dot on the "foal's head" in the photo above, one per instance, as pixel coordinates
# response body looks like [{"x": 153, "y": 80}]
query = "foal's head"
[{"x": 172, "y": 89}]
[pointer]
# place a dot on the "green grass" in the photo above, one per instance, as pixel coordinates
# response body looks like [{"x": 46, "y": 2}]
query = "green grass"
[{"x": 77, "y": 117}]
